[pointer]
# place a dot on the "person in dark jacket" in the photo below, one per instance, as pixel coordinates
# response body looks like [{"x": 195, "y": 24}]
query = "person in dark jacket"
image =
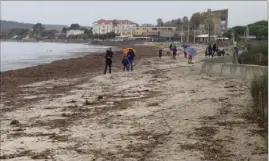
[
  {"x": 109, "y": 55},
  {"x": 130, "y": 57},
  {"x": 170, "y": 47},
  {"x": 174, "y": 48},
  {"x": 214, "y": 49},
  {"x": 125, "y": 63},
  {"x": 160, "y": 52}
]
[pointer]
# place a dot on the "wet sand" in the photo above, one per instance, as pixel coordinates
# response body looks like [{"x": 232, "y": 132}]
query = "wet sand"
[{"x": 91, "y": 64}]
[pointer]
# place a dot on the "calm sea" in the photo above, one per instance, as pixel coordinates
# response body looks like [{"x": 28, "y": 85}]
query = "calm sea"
[{"x": 16, "y": 55}]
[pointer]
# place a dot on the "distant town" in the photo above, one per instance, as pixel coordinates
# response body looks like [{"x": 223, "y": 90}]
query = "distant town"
[{"x": 200, "y": 27}]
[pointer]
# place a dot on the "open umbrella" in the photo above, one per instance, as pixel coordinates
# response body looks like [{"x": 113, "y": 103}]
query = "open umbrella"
[
  {"x": 126, "y": 50},
  {"x": 190, "y": 51}
]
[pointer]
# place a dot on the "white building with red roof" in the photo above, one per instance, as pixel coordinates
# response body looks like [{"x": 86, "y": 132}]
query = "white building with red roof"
[{"x": 121, "y": 27}]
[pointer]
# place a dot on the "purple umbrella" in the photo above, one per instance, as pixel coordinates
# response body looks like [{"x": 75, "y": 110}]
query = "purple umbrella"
[{"x": 190, "y": 51}]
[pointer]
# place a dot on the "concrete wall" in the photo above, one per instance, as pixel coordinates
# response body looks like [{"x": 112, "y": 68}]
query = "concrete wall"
[
  {"x": 241, "y": 71},
  {"x": 221, "y": 59}
]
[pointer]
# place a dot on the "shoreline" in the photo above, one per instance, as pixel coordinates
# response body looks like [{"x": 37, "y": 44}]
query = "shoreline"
[
  {"x": 90, "y": 64},
  {"x": 69, "y": 55}
]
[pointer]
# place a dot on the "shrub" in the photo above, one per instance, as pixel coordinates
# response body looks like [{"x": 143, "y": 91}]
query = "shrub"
[
  {"x": 256, "y": 54},
  {"x": 259, "y": 93}
]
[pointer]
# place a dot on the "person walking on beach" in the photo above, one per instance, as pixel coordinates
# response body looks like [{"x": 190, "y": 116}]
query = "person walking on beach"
[
  {"x": 174, "y": 49},
  {"x": 130, "y": 57},
  {"x": 125, "y": 63},
  {"x": 235, "y": 53},
  {"x": 160, "y": 52},
  {"x": 184, "y": 47},
  {"x": 170, "y": 47},
  {"x": 190, "y": 59},
  {"x": 191, "y": 53},
  {"x": 108, "y": 57},
  {"x": 214, "y": 49},
  {"x": 209, "y": 50}
]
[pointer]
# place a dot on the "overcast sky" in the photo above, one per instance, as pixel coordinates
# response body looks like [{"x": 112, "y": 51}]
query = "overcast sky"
[{"x": 86, "y": 12}]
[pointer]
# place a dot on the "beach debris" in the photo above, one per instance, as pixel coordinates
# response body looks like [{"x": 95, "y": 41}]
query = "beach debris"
[
  {"x": 192, "y": 91},
  {"x": 100, "y": 97},
  {"x": 223, "y": 98},
  {"x": 72, "y": 101},
  {"x": 153, "y": 104},
  {"x": 14, "y": 122},
  {"x": 64, "y": 115},
  {"x": 87, "y": 102},
  {"x": 229, "y": 86}
]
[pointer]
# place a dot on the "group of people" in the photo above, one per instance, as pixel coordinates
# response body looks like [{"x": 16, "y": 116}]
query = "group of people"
[
  {"x": 211, "y": 50},
  {"x": 173, "y": 48},
  {"x": 127, "y": 60}
]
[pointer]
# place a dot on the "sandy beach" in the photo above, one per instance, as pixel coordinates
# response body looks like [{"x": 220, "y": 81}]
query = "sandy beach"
[
  {"x": 165, "y": 110},
  {"x": 92, "y": 63}
]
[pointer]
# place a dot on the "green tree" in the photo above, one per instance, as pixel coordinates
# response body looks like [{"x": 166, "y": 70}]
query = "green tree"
[
  {"x": 87, "y": 33},
  {"x": 239, "y": 30},
  {"x": 64, "y": 30},
  {"x": 173, "y": 23},
  {"x": 74, "y": 26},
  {"x": 178, "y": 22},
  {"x": 114, "y": 23},
  {"x": 49, "y": 34},
  {"x": 169, "y": 23},
  {"x": 109, "y": 35},
  {"x": 209, "y": 24},
  {"x": 160, "y": 22},
  {"x": 228, "y": 34},
  {"x": 263, "y": 31},
  {"x": 262, "y": 23},
  {"x": 197, "y": 19},
  {"x": 20, "y": 33},
  {"x": 258, "y": 30},
  {"x": 38, "y": 29},
  {"x": 185, "y": 22}
]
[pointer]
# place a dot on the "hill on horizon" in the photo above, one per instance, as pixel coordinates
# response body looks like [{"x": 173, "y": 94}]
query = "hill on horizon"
[{"x": 7, "y": 25}]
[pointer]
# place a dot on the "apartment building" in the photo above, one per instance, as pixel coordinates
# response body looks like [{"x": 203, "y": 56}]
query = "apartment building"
[
  {"x": 121, "y": 27},
  {"x": 153, "y": 31},
  {"x": 220, "y": 20}
]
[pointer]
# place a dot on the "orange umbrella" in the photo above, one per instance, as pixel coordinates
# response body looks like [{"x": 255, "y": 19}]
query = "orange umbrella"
[{"x": 126, "y": 50}]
